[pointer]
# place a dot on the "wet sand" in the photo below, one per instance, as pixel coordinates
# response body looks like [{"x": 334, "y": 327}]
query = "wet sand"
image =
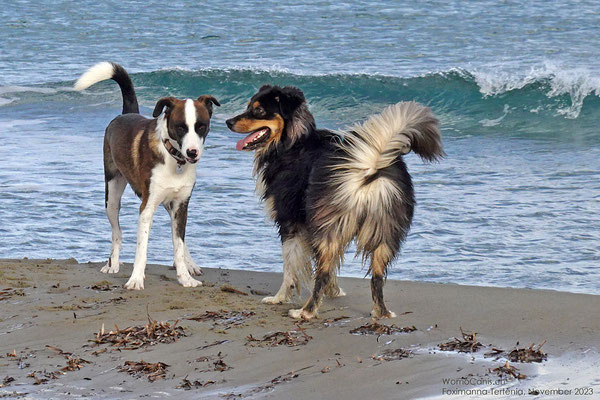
[{"x": 52, "y": 303}]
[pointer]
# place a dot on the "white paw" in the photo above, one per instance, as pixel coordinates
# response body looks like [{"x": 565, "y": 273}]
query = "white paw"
[
  {"x": 297, "y": 314},
  {"x": 390, "y": 314},
  {"x": 301, "y": 314},
  {"x": 274, "y": 300},
  {"x": 189, "y": 282},
  {"x": 111, "y": 268},
  {"x": 192, "y": 268},
  {"x": 135, "y": 283},
  {"x": 340, "y": 293}
]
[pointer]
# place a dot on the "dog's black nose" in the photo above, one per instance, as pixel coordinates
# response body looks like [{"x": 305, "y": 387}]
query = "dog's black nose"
[
  {"x": 229, "y": 123},
  {"x": 192, "y": 153}
]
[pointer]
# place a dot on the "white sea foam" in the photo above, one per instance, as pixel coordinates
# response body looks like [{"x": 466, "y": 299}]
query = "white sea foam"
[
  {"x": 497, "y": 121},
  {"x": 577, "y": 83},
  {"x": 12, "y": 123},
  {"x": 19, "y": 89},
  {"x": 7, "y": 91}
]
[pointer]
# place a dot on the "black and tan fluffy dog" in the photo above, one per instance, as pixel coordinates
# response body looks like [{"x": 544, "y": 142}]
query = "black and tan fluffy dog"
[{"x": 324, "y": 189}]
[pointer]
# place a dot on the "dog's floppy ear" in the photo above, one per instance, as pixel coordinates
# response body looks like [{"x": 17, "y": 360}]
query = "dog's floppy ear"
[
  {"x": 289, "y": 99},
  {"x": 161, "y": 104},
  {"x": 208, "y": 102}
]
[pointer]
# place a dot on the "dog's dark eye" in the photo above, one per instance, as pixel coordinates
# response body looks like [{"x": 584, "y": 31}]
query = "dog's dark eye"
[
  {"x": 181, "y": 129},
  {"x": 259, "y": 112},
  {"x": 200, "y": 128}
]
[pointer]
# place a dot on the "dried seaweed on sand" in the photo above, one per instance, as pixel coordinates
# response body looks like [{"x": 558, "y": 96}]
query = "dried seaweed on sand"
[
  {"x": 290, "y": 338},
  {"x": 494, "y": 352},
  {"x": 231, "y": 289},
  {"x": 217, "y": 365},
  {"x": 47, "y": 377},
  {"x": 509, "y": 370},
  {"x": 134, "y": 337},
  {"x": 38, "y": 381},
  {"x": 73, "y": 362},
  {"x": 392, "y": 355},
  {"x": 468, "y": 343},
  {"x": 9, "y": 293},
  {"x": 103, "y": 286},
  {"x": 7, "y": 381},
  {"x": 375, "y": 328},
  {"x": 188, "y": 385},
  {"x": 529, "y": 354},
  {"x": 59, "y": 351},
  {"x": 218, "y": 342},
  {"x": 336, "y": 321},
  {"x": 224, "y": 317},
  {"x": 523, "y": 355},
  {"x": 153, "y": 371},
  {"x": 269, "y": 386}
]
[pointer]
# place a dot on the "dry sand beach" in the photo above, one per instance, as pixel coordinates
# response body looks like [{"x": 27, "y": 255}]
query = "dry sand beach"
[{"x": 226, "y": 344}]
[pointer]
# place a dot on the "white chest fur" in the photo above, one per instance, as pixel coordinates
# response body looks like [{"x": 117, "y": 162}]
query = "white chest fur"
[
  {"x": 166, "y": 184},
  {"x": 169, "y": 181}
]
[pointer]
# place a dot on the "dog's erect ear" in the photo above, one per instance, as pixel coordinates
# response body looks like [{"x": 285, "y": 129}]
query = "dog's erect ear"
[
  {"x": 289, "y": 99},
  {"x": 161, "y": 104},
  {"x": 208, "y": 102}
]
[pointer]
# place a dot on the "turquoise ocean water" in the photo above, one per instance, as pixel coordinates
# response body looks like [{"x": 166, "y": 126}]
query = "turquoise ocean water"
[{"x": 516, "y": 86}]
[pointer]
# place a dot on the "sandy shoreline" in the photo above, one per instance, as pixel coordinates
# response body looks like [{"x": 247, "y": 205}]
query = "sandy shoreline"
[{"x": 51, "y": 304}]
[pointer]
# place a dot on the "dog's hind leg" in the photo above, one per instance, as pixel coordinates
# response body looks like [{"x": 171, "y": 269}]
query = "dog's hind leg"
[
  {"x": 333, "y": 290},
  {"x": 380, "y": 258},
  {"x": 297, "y": 266},
  {"x": 329, "y": 253},
  {"x": 114, "y": 191},
  {"x": 147, "y": 209},
  {"x": 178, "y": 212}
]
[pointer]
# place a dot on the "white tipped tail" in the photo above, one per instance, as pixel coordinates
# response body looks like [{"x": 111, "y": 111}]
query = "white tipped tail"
[
  {"x": 376, "y": 143},
  {"x": 99, "y": 72},
  {"x": 108, "y": 70}
]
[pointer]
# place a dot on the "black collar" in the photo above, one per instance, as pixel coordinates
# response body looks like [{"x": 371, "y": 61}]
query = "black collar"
[{"x": 176, "y": 154}]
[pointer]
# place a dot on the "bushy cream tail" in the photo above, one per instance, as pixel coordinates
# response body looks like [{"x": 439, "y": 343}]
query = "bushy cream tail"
[{"x": 376, "y": 143}]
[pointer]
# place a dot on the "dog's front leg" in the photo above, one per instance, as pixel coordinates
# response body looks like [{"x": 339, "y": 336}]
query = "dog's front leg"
[
  {"x": 328, "y": 256},
  {"x": 333, "y": 290},
  {"x": 284, "y": 294},
  {"x": 147, "y": 209},
  {"x": 192, "y": 267},
  {"x": 178, "y": 212},
  {"x": 296, "y": 266},
  {"x": 311, "y": 307}
]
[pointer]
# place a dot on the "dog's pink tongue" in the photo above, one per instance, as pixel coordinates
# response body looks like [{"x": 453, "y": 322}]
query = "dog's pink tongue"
[{"x": 240, "y": 145}]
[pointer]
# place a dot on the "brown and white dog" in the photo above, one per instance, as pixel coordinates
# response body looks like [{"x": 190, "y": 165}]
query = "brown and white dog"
[{"x": 157, "y": 157}]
